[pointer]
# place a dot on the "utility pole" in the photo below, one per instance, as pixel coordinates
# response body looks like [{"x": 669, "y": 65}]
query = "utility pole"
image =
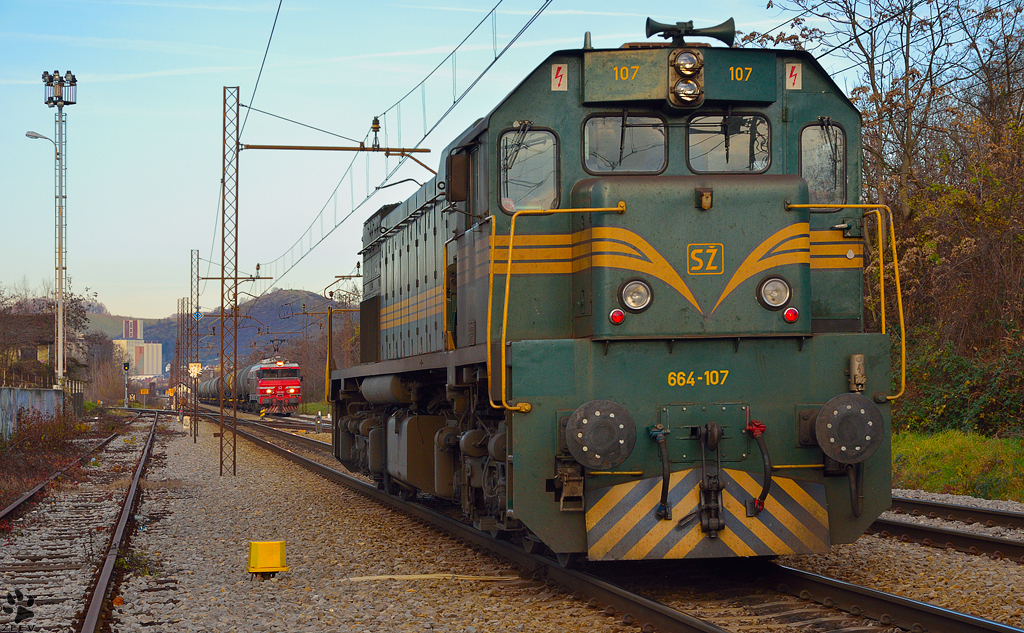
[
  {"x": 193, "y": 351},
  {"x": 229, "y": 280}
]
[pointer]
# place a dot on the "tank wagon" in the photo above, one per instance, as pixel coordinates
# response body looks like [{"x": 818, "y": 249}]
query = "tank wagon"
[
  {"x": 273, "y": 385},
  {"x": 617, "y": 324}
]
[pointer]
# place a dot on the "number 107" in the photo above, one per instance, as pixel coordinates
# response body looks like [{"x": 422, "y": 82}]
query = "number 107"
[{"x": 737, "y": 73}]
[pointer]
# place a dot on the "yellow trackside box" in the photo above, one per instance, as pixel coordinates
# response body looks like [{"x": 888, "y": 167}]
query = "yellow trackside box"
[{"x": 266, "y": 556}]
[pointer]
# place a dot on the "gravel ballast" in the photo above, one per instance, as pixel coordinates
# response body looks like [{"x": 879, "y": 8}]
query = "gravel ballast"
[{"x": 190, "y": 554}]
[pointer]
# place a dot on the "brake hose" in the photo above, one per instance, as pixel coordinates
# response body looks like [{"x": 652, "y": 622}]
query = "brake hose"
[
  {"x": 664, "y": 511},
  {"x": 756, "y": 430}
]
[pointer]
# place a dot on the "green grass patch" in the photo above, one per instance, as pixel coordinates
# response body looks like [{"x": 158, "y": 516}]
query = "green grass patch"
[
  {"x": 310, "y": 408},
  {"x": 954, "y": 462}
]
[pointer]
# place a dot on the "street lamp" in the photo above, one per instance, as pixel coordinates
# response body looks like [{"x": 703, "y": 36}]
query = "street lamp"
[{"x": 59, "y": 92}]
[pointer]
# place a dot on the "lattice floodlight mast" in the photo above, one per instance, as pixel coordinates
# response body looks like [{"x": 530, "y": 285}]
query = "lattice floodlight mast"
[
  {"x": 194, "y": 346},
  {"x": 229, "y": 281},
  {"x": 59, "y": 92}
]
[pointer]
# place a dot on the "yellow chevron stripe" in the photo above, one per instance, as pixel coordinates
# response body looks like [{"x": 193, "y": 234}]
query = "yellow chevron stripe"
[
  {"x": 760, "y": 530},
  {"x": 622, "y": 527},
  {"x": 780, "y": 512},
  {"x": 734, "y": 542},
  {"x": 794, "y": 236},
  {"x": 662, "y": 533},
  {"x": 663, "y": 528},
  {"x": 805, "y": 500},
  {"x": 607, "y": 502},
  {"x": 687, "y": 543}
]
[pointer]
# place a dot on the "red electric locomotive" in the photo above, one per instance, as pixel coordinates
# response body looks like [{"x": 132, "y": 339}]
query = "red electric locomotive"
[{"x": 273, "y": 385}]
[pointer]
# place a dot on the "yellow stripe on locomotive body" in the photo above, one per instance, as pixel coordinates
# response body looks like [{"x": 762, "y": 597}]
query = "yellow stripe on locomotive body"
[
  {"x": 830, "y": 249},
  {"x": 622, "y": 523}
]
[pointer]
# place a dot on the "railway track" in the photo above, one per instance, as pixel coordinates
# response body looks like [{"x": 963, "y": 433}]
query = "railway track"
[
  {"x": 843, "y": 607},
  {"x": 62, "y": 551},
  {"x": 942, "y": 537},
  {"x": 277, "y": 421}
]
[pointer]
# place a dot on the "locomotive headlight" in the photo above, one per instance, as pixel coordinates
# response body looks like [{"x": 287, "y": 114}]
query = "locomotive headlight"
[
  {"x": 687, "y": 90},
  {"x": 774, "y": 293},
  {"x": 688, "y": 63},
  {"x": 636, "y": 296}
]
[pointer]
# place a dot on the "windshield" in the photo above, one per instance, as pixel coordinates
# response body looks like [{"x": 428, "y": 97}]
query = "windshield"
[
  {"x": 728, "y": 144},
  {"x": 280, "y": 372},
  {"x": 528, "y": 170},
  {"x": 822, "y": 162},
  {"x": 624, "y": 143}
]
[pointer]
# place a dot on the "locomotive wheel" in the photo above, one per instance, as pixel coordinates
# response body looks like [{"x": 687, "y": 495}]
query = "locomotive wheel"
[
  {"x": 533, "y": 545},
  {"x": 568, "y": 560}
]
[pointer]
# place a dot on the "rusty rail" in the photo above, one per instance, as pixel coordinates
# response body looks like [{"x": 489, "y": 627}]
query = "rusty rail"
[{"x": 94, "y": 613}]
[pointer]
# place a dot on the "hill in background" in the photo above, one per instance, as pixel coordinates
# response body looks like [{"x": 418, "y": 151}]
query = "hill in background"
[{"x": 263, "y": 323}]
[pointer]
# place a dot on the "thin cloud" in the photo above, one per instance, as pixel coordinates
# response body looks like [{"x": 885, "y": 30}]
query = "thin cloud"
[
  {"x": 116, "y": 43},
  {"x": 112, "y": 78},
  {"x": 616, "y": 14},
  {"x": 243, "y": 8}
]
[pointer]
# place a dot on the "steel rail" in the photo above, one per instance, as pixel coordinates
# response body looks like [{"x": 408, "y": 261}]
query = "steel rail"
[
  {"x": 889, "y": 609},
  {"x": 859, "y": 601},
  {"x": 946, "y": 538},
  {"x": 649, "y": 614},
  {"x": 961, "y": 513},
  {"x": 307, "y": 442},
  {"x": 91, "y": 623},
  {"x": 31, "y": 493}
]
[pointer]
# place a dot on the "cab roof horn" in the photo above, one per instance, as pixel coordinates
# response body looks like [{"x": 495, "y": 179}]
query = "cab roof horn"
[{"x": 724, "y": 32}]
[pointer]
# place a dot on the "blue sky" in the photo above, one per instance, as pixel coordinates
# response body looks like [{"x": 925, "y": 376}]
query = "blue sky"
[{"x": 144, "y": 139}]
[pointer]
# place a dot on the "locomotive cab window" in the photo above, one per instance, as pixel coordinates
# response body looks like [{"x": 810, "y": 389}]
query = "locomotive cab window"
[
  {"x": 279, "y": 372},
  {"x": 823, "y": 162},
  {"x": 529, "y": 170},
  {"x": 728, "y": 143},
  {"x": 624, "y": 144}
]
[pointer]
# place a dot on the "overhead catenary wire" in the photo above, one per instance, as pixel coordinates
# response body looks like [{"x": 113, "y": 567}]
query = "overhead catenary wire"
[
  {"x": 260, "y": 74},
  {"x": 297, "y": 252},
  {"x": 306, "y": 125}
]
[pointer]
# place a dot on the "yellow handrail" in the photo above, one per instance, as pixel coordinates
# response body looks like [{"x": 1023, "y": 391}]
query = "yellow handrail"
[
  {"x": 874, "y": 209},
  {"x": 524, "y": 407}
]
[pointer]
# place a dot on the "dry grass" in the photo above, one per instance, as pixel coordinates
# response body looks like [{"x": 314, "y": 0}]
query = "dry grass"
[{"x": 41, "y": 446}]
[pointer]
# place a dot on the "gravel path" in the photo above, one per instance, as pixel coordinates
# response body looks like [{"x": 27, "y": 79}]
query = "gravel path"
[{"x": 191, "y": 551}]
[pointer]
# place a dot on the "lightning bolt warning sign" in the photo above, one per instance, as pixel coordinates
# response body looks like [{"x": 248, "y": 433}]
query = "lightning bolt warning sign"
[
  {"x": 794, "y": 77},
  {"x": 559, "y": 77}
]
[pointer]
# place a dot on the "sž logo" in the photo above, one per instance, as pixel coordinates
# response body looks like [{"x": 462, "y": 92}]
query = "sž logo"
[{"x": 21, "y": 602}]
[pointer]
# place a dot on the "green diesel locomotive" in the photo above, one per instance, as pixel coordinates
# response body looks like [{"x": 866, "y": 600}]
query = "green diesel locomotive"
[{"x": 626, "y": 318}]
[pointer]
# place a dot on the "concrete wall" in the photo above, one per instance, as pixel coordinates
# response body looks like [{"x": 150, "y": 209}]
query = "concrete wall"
[{"x": 46, "y": 401}]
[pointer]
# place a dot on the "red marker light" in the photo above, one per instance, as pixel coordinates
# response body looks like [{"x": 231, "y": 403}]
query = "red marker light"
[
  {"x": 791, "y": 315},
  {"x": 617, "y": 316}
]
